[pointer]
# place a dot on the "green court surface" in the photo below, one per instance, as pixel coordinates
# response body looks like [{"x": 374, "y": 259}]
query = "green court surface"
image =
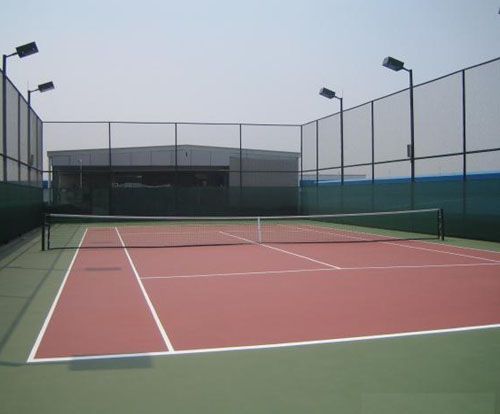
[{"x": 441, "y": 373}]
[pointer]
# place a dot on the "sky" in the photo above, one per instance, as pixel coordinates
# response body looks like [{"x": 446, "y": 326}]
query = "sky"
[{"x": 235, "y": 61}]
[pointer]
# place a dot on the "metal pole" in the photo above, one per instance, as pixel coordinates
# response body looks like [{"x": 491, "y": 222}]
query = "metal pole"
[
  {"x": 299, "y": 207},
  {"x": 19, "y": 138},
  {"x": 372, "y": 187},
  {"x": 176, "y": 174},
  {"x": 341, "y": 141},
  {"x": 317, "y": 167},
  {"x": 464, "y": 149},
  {"x": 317, "y": 153},
  {"x": 4, "y": 115},
  {"x": 241, "y": 160},
  {"x": 441, "y": 223},
  {"x": 29, "y": 137},
  {"x": 81, "y": 175},
  {"x": 412, "y": 128},
  {"x": 301, "y": 154},
  {"x": 44, "y": 224},
  {"x": 175, "y": 154},
  {"x": 40, "y": 161},
  {"x": 373, "y": 141},
  {"x": 109, "y": 146},
  {"x": 110, "y": 201},
  {"x": 464, "y": 128}
]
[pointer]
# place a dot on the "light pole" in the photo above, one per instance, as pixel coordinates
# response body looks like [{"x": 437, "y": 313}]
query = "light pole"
[
  {"x": 397, "y": 65},
  {"x": 327, "y": 93},
  {"x": 43, "y": 87},
  {"x": 21, "y": 51}
]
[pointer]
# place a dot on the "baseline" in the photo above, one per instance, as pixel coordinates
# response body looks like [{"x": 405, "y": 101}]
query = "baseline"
[{"x": 274, "y": 345}]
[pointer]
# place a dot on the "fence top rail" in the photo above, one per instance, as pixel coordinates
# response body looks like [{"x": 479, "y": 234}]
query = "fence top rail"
[{"x": 236, "y": 124}]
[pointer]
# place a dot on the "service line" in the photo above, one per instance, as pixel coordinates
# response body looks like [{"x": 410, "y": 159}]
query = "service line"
[{"x": 327, "y": 269}]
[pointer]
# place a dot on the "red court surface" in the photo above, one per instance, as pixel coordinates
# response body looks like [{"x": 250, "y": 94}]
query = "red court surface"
[{"x": 126, "y": 302}]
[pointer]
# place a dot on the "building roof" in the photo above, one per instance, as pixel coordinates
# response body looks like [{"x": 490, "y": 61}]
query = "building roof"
[
  {"x": 187, "y": 155},
  {"x": 172, "y": 147}
]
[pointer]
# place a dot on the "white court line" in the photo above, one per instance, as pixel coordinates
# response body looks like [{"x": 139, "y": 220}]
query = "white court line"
[
  {"x": 139, "y": 233},
  {"x": 41, "y": 334},
  {"x": 272, "y": 346},
  {"x": 457, "y": 246},
  {"x": 334, "y": 231},
  {"x": 443, "y": 251},
  {"x": 280, "y": 250},
  {"x": 152, "y": 309},
  {"x": 329, "y": 269},
  {"x": 429, "y": 266},
  {"x": 265, "y": 272}
]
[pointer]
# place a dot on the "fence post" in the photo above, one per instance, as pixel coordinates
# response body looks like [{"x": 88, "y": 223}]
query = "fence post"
[
  {"x": 241, "y": 159},
  {"x": 373, "y": 140},
  {"x": 464, "y": 129},
  {"x": 110, "y": 189},
  {"x": 176, "y": 173},
  {"x": 44, "y": 218},
  {"x": 441, "y": 223}
]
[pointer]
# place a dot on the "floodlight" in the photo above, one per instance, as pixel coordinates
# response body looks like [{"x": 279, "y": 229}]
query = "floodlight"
[
  {"x": 27, "y": 49},
  {"x": 21, "y": 51},
  {"x": 327, "y": 93},
  {"x": 396, "y": 65},
  {"x": 393, "y": 64},
  {"x": 44, "y": 87}
]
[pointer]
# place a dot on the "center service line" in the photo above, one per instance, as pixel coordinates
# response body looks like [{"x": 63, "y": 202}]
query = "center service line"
[
  {"x": 163, "y": 333},
  {"x": 282, "y": 251}
]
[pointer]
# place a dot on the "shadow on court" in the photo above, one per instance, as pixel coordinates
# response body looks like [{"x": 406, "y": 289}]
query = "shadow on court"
[
  {"x": 23, "y": 272},
  {"x": 144, "y": 362}
]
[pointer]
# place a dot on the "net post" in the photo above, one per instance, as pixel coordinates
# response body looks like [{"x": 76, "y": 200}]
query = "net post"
[
  {"x": 48, "y": 231},
  {"x": 441, "y": 224},
  {"x": 44, "y": 218},
  {"x": 259, "y": 231}
]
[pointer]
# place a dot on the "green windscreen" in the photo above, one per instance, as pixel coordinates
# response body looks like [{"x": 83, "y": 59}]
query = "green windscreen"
[
  {"x": 471, "y": 207},
  {"x": 20, "y": 209}
]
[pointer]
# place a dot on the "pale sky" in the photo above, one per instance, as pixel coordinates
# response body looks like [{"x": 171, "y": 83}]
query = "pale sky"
[{"x": 235, "y": 61}]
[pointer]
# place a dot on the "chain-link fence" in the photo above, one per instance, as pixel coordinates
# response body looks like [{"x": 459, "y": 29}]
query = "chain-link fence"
[
  {"x": 179, "y": 168},
  {"x": 172, "y": 167},
  {"x": 22, "y": 140},
  {"x": 20, "y": 164},
  {"x": 457, "y": 132}
]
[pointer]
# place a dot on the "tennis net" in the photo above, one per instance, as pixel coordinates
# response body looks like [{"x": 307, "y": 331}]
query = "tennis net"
[{"x": 69, "y": 231}]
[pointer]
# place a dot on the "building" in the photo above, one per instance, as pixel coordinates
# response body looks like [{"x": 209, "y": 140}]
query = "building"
[{"x": 158, "y": 166}]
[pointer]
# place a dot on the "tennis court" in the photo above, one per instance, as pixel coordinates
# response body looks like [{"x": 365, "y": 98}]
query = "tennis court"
[
  {"x": 158, "y": 286},
  {"x": 187, "y": 226}
]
